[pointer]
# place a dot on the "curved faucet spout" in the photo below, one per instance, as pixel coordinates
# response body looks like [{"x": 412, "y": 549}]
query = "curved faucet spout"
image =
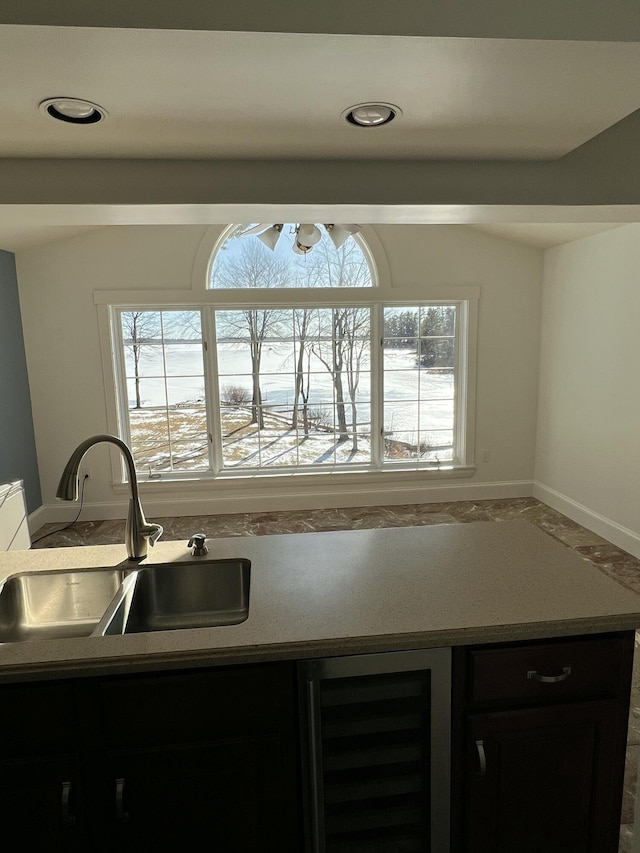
[{"x": 139, "y": 533}]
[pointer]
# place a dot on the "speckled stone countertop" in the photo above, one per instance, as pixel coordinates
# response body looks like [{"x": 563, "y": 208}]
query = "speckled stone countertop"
[
  {"x": 355, "y": 591},
  {"x": 611, "y": 560}
]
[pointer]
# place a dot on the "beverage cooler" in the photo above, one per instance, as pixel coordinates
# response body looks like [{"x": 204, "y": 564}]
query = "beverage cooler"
[{"x": 376, "y": 736}]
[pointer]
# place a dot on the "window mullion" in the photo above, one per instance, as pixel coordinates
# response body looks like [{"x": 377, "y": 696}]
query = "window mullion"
[
  {"x": 377, "y": 387},
  {"x": 212, "y": 395},
  {"x": 165, "y": 383},
  {"x": 461, "y": 362}
]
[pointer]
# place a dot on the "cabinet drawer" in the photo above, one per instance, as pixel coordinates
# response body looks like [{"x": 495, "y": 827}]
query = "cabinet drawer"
[
  {"x": 199, "y": 705},
  {"x": 549, "y": 671}
]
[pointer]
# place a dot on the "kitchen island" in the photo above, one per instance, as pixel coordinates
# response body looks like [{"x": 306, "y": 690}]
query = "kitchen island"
[{"x": 506, "y": 597}]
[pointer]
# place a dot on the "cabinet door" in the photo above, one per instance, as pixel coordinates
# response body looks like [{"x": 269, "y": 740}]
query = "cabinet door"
[
  {"x": 40, "y": 804},
  {"x": 545, "y": 779},
  {"x": 212, "y": 754},
  {"x": 218, "y": 796},
  {"x": 40, "y": 784}
]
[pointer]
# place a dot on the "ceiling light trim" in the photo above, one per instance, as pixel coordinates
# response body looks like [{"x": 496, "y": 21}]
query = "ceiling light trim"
[
  {"x": 371, "y": 114},
  {"x": 73, "y": 110}
]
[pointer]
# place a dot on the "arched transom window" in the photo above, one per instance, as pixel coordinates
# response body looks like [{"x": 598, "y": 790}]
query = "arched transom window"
[{"x": 245, "y": 258}]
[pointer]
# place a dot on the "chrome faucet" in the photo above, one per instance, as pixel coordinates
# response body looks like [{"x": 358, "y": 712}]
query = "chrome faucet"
[{"x": 138, "y": 532}]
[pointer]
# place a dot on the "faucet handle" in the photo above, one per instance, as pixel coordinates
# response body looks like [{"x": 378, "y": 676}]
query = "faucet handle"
[
  {"x": 197, "y": 542},
  {"x": 156, "y": 533}
]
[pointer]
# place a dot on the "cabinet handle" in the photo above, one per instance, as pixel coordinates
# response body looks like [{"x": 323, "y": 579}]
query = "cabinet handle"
[
  {"x": 549, "y": 679},
  {"x": 67, "y": 816},
  {"x": 121, "y": 813},
  {"x": 482, "y": 760}
]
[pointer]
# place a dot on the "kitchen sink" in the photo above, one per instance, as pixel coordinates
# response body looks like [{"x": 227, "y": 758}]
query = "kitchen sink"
[
  {"x": 169, "y": 596},
  {"x": 55, "y": 604}
]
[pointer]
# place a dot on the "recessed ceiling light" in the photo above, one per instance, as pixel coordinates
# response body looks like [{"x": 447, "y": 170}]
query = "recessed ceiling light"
[
  {"x": 371, "y": 114},
  {"x": 73, "y": 110}
]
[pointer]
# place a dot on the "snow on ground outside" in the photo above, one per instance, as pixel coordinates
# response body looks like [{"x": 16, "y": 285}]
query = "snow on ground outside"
[{"x": 413, "y": 397}]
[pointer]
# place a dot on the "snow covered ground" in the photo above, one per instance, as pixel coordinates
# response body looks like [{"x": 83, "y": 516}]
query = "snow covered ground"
[{"x": 418, "y": 412}]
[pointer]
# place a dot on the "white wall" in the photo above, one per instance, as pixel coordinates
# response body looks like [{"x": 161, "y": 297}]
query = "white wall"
[
  {"x": 588, "y": 445},
  {"x": 56, "y": 285}
]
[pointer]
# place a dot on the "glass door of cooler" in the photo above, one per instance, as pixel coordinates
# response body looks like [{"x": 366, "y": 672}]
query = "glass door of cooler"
[{"x": 376, "y": 741}]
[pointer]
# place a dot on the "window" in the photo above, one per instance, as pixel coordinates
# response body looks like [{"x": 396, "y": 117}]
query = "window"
[
  {"x": 294, "y": 364},
  {"x": 295, "y": 386},
  {"x": 163, "y": 368},
  {"x": 245, "y": 262},
  {"x": 419, "y": 371}
]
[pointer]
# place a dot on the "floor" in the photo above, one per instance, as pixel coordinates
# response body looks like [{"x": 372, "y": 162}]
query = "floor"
[{"x": 611, "y": 560}]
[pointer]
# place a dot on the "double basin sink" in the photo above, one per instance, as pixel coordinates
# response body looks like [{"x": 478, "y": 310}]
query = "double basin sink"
[{"x": 99, "y": 602}]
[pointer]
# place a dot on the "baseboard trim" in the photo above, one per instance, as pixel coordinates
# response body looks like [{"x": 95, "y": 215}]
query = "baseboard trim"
[
  {"x": 37, "y": 518},
  {"x": 288, "y": 499},
  {"x": 600, "y": 524}
]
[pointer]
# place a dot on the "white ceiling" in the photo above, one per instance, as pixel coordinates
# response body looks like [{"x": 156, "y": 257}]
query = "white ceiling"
[
  {"x": 547, "y": 235},
  {"x": 15, "y": 238},
  {"x": 185, "y": 94}
]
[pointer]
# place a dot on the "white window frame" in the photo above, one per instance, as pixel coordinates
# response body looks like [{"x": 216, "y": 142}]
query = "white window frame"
[{"x": 382, "y": 295}]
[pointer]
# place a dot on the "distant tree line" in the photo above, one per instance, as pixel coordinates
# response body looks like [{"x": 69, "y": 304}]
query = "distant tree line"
[{"x": 431, "y": 334}]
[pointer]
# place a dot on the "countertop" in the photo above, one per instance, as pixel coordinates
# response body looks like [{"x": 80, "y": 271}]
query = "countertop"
[{"x": 351, "y": 592}]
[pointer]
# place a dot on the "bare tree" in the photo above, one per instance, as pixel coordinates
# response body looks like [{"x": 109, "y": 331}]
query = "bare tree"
[
  {"x": 309, "y": 275},
  {"x": 356, "y": 324},
  {"x": 341, "y": 353},
  {"x": 347, "y": 334},
  {"x": 302, "y": 318},
  {"x": 140, "y": 329},
  {"x": 253, "y": 266}
]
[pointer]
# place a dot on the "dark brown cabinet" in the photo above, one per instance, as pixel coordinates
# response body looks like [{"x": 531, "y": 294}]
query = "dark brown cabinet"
[
  {"x": 40, "y": 768},
  {"x": 209, "y": 758},
  {"x": 541, "y": 745},
  {"x": 230, "y": 794},
  {"x": 158, "y": 762}
]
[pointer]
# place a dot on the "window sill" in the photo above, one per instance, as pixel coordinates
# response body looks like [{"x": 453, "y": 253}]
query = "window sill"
[{"x": 320, "y": 482}]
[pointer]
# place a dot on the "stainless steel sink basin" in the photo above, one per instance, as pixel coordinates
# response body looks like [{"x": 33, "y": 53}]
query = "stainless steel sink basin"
[
  {"x": 169, "y": 596},
  {"x": 55, "y": 604}
]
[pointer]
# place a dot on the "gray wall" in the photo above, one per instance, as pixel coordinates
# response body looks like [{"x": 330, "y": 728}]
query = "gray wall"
[{"x": 17, "y": 443}]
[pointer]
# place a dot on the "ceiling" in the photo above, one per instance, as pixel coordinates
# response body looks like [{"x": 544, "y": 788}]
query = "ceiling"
[
  {"x": 188, "y": 94},
  {"x": 16, "y": 238},
  {"x": 546, "y": 235},
  {"x": 199, "y": 95}
]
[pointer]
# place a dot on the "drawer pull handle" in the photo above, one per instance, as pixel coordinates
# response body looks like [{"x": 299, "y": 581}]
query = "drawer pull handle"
[
  {"x": 67, "y": 816},
  {"x": 482, "y": 760},
  {"x": 121, "y": 813},
  {"x": 549, "y": 679}
]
